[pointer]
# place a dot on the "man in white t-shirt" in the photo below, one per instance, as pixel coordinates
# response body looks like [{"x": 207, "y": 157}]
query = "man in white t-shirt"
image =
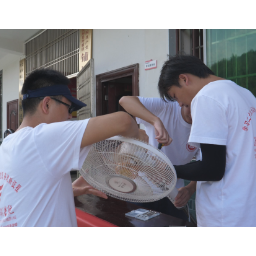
[
  {"x": 170, "y": 124},
  {"x": 224, "y": 125},
  {"x": 36, "y": 160}
]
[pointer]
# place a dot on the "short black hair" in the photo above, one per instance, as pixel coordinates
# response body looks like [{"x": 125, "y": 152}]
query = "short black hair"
[
  {"x": 38, "y": 79},
  {"x": 176, "y": 65}
]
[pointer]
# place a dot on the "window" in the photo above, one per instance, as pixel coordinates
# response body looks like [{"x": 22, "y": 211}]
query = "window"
[
  {"x": 57, "y": 49},
  {"x": 231, "y": 54},
  {"x": 190, "y": 41}
]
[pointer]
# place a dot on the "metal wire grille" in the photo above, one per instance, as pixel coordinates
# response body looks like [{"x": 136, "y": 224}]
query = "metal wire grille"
[
  {"x": 128, "y": 172},
  {"x": 57, "y": 49}
]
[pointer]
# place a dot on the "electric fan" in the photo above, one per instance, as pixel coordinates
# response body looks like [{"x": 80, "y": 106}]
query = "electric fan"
[{"x": 130, "y": 170}]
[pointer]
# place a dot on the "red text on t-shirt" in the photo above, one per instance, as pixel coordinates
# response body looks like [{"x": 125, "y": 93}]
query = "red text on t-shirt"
[
  {"x": 13, "y": 183},
  {"x": 247, "y": 122}
]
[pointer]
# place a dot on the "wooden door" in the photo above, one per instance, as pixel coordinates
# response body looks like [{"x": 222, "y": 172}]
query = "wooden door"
[
  {"x": 113, "y": 91},
  {"x": 12, "y": 115},
  {"x": 101, "y": 86}
]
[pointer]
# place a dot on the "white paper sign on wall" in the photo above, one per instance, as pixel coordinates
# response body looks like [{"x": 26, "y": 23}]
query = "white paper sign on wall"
[{"x": 150, "y": 64}]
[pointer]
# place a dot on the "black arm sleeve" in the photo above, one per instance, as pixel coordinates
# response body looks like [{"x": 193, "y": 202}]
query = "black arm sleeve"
[{"x": 211, "y": 168}]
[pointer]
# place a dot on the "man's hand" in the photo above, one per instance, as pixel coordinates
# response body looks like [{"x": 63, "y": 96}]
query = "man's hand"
[
  {"x": 81, "y": 187},
  {"x": 184, "y": 194},
  {"x": 143, "y": 136},
  {"x": 162, "y": 136}
]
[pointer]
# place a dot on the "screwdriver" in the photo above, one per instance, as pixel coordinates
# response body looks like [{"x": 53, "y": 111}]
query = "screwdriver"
[{"x": 160, "y": 146}]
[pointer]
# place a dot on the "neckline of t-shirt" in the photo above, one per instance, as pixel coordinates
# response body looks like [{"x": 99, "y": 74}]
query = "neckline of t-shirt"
[
  {"x": 225, "y": 80},
  {"x": 183, "y": 122},
  {"x": 217, "y": 81},
  {"x": 17, "y": 132},
  {"x": 23, "y": 129}
]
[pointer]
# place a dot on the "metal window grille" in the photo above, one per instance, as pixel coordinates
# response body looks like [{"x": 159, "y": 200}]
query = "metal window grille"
[
  {"x": 197, "y": 43},
  {"x": 57, "y": 49},
  {"x": 190, "y": 41}
]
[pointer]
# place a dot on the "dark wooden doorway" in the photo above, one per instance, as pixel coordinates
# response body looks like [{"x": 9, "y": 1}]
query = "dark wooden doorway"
[
  {"x": 113, "y": 91},
  {"x": 111, "y": 86},
  {"x": 12, "y": 115}
]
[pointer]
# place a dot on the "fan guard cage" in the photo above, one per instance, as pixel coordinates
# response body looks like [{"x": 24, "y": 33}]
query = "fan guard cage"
[{"x": 129, "y": 170}]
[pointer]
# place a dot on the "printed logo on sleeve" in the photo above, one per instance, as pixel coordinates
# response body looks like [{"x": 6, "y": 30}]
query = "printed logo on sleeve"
[
  {"x": 190, "y": 148},
  {"x": 247, "y": 122}
]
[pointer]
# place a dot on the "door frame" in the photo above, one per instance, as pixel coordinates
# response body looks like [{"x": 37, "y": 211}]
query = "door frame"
[
  {"x": 132, "y": 70},
  {"x": 8, "y": 114}
]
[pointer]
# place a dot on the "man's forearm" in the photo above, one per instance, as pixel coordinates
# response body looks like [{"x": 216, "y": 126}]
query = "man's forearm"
[
  {"x": 133, "y": 106},
  {"x": 211, "y": 168},
  {"x": 106, "y": 126},
  {"x": 192, "y": 187}
]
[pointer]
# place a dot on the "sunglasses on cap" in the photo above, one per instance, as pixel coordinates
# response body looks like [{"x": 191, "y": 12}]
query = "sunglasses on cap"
[{"x": 71, "y": 108}]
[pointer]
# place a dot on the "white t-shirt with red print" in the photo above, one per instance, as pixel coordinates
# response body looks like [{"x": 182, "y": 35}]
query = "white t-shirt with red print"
[
  {"x": 35, "y": 182},
  {"x": 179, "y": 151},
  {"x": 224, "y": 113}
]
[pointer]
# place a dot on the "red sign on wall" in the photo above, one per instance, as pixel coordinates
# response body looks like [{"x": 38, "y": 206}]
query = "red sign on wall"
[{"x": 150, "y": 64}]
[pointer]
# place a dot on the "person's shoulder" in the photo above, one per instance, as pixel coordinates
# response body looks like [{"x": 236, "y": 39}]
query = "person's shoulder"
[
  {"x": 221, "y": 89},
  {"x": 211, "y": 90},
  {"x": 20, "y": 132},
  {"x": 58, "y": 132},
  {"x": 58, "y": 126},
  {"x": 148, "y": 99},
  {"x": 213, "y": 87},
  {"x": 216, "y": 92},
  {"x": 44, "y": 126},
  {"x": 65, "y": 124},
  {"x": 155, "y": 101}
]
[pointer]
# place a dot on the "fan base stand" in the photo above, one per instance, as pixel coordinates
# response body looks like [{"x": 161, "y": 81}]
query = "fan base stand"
[{"x": 121, "y": 184}]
